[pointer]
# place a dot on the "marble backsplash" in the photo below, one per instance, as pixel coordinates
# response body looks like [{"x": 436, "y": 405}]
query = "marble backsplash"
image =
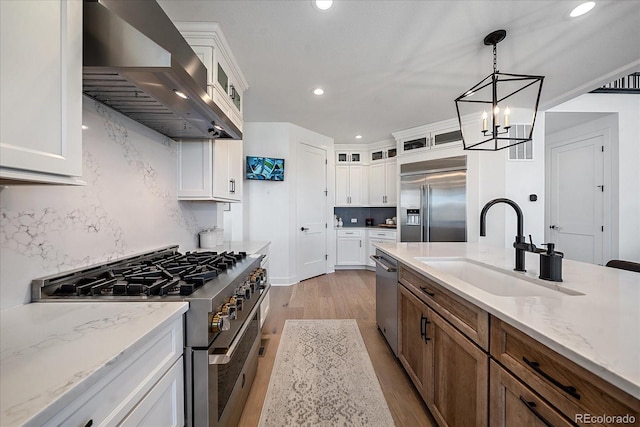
[{"x": 129, "y": 205}]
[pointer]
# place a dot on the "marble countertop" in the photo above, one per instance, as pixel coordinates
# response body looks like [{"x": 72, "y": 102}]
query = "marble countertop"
[
  {"x": 599, "y": 330},
  {"x": 51, "y": 353},
  {"x": 250, "y": 247}
]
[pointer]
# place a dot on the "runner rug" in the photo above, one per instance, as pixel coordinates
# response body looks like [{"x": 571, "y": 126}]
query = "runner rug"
[{"x": 322, "y": 376}]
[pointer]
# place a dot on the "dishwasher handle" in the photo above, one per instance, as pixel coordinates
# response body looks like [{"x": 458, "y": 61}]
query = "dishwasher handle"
[{"x": 380, "y": 261}]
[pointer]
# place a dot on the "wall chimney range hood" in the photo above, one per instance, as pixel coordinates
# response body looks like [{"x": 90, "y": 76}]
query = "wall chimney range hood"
[{"x": 136, "y": 61}]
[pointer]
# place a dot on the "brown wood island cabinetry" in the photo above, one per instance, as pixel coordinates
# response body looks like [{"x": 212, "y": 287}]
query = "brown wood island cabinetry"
[
  {"x": 450, "y": 371},
  {"x": 473, "y": 369},
  {"x": 573, "y": 390}
]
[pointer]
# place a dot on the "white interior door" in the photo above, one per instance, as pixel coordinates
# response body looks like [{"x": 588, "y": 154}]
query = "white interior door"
[
  {"x": 576, "y": 198},
  {"x": 311, "y": 211}
]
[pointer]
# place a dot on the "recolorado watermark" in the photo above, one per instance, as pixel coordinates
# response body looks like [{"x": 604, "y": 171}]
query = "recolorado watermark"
[{"x": 605, "y": 419}]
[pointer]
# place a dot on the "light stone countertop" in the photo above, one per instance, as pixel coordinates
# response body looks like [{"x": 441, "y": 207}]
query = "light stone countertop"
[
  {"x": 51, "y": 353},
  {"x": 250, "y": 247},
  {"x": 599, "y": 330}
]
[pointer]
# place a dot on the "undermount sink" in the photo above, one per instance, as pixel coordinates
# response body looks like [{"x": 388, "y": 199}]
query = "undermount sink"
[{"x": 494, "y": 280}]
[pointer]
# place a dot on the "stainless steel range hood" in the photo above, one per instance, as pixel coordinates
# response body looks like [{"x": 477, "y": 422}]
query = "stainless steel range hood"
[{"x": 136, "y": 61}]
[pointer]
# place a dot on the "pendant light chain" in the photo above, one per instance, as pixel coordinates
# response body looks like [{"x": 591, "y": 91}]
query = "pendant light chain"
[{"x": 495, "y": 58}]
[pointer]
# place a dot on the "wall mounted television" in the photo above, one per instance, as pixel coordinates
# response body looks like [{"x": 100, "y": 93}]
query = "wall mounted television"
[{"x": 265, "y": 168}]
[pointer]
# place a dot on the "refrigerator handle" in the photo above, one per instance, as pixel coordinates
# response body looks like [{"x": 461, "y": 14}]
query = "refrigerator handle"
[
  {"x": 422, "y": 212},
  {"x": 427, "y": 213}
]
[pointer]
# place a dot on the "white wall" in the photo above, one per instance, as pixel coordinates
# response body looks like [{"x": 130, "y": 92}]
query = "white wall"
[
  {"x": 270, "y": 207},
  {"x": 626, "y": 161},
  {"x": 129, "y": 205}
]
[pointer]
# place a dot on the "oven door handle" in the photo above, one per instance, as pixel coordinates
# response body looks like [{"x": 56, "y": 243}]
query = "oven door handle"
[{"x": 221, "y": 359}]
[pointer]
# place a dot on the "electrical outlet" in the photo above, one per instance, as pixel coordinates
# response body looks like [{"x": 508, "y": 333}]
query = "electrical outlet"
[{"x": 354, "y": 220}]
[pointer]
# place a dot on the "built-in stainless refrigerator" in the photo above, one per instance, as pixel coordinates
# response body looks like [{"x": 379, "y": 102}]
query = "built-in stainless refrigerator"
[{"x": 433, "y": 200}]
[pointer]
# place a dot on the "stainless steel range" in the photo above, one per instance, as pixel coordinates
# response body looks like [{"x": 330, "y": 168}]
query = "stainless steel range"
[{"x": 224, "y": 291}]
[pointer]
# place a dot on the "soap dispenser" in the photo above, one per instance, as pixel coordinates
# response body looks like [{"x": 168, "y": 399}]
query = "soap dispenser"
[{"x": 551, "y": 263}]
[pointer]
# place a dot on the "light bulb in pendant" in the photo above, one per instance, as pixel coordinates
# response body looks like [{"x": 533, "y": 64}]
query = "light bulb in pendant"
[{"x": 484, "y": 121}]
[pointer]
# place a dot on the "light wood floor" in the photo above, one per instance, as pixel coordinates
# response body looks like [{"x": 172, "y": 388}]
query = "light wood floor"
[{"x": 341, "y": 295}]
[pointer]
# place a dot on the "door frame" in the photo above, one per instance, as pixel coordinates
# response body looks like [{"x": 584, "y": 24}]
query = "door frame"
[
  {"x": 325, "y": 214},
  {"x": 573, "y": 135}
]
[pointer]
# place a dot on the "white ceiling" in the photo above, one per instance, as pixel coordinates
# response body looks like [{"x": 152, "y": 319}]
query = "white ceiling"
[{"x": 392, "y": 65}]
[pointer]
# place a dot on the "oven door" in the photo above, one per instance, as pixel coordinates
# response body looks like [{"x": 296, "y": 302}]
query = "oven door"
[{"x": 221, "y": 382}]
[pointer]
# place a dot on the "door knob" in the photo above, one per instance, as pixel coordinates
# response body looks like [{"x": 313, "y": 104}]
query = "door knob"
[
  {"x": 304, "y": 229},
  {"x": 554, "y": 227}
]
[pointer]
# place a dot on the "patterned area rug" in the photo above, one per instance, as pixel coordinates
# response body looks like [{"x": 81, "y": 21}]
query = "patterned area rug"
[{"x": 322, "y": 376}]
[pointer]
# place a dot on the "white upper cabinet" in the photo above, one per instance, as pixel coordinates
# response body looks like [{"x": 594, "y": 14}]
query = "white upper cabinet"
[
  {"x": 445, "y": 134},
  {"x": 382, "y": 183},
  {"x": 351, "y": 157},
  {"x": 225, "y": 82},
  {"x": 41, "y": 92},
  {"x": 351, "y": 185},
  {"x": 210, "y": 170}
]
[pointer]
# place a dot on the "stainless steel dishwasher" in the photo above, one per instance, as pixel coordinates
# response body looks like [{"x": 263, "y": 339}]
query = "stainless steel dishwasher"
[{"x": 387, "y": 298}]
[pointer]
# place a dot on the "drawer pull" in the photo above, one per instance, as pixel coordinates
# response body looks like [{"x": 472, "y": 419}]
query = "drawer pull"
[
  {"x": 89, "y": 424},
  {"x": 566, "y": 388},
  {"x": 423, "y": 328},
  {"x": 426, "y": 291},
  {"x": 532, "y": 407}
]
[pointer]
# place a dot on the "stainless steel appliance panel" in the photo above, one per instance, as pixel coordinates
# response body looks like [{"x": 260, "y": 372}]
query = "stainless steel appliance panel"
[
  {"x": 445, "y": 206},
  {"x": 433, "y": 201},
  {"x": 411, "y": 200},
  {"x": 387, "y": 298}
]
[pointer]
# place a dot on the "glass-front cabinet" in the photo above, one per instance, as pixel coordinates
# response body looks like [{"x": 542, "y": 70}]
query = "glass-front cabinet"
[
  {"x": 225, "y": 82},
  {"x": 445, "y": 134}
]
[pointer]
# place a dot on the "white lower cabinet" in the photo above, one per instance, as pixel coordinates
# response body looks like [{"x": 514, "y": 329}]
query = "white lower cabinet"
[
  {"x": 143, "y": 389},
  {"x": 354, "y": 246},
  {"x": 163, "y": 406},
  {"x": 351, "y": 247}
]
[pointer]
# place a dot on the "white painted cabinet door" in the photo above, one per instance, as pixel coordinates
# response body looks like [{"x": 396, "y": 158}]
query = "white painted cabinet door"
[
  {"x": 221, "y": 181},
  {"x": 236, "y": 168},
  {"x": 391, "y": 183},
  {"x": 227, "y": 170},
  {"x": 357, "y": 185},
  {"x": 382, "y": 183},
  {"x": 195, "y": 169},
  {"x": 41, "y": 90},
  {"x": 350, "y": 251},
  {"x": 377, "y": 183},
  {"x": 163, "y": 405},
  {"x": 342, "y": 185}
]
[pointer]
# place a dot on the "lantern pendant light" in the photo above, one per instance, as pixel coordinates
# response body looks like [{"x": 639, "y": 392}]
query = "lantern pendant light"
[{"x": 488, "y": 111}]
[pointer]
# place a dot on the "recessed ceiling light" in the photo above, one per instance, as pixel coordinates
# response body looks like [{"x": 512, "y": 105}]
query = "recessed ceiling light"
[
  {"x": 358, "y": 136},
  {"x": 180, "y": 94},
  {"x": 318, "y": 91},
  {"x": 323, "y": 4},
  {"x": 582, "y": 9}
]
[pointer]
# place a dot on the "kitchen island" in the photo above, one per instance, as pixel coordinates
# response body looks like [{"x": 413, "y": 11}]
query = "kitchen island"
[
  {"x": 591, "y": 318},
  {"x": 60, "y": 359}
]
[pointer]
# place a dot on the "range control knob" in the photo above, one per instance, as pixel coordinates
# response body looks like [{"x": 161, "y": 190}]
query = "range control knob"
[
  {"x": 217, "y": 323},
  {"x": 236, "y": 302}
]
